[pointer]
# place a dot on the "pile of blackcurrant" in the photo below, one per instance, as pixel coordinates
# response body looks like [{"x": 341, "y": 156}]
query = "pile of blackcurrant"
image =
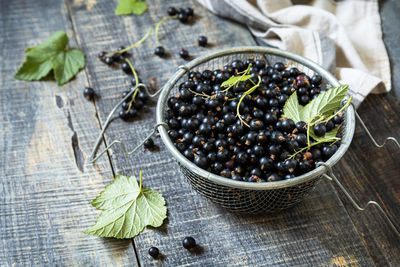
[{"x": 260, "y": 146}]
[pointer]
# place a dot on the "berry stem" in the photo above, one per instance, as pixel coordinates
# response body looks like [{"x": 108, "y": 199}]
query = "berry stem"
[
  {"x": 133, "y": 71},
  {"x": 243, "y": 96},
  {"x": 137, "y": 88},
  {"x": 140, "y": 181},
  {"x": 340, "y": 110},
  {"x": 239, "y": 80},
  {"x": 135, "y": 44},
  {"x": 161, "y": 22}
]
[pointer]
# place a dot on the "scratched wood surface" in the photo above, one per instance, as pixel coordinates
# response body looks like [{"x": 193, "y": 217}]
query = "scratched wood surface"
[
  {"x": 46, "y": 132},
  {"x": 46, "y": 141}
]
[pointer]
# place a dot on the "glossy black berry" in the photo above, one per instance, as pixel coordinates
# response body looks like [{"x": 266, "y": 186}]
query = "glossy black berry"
[
  {"x": 183, "y": 17},
  {"x": 189, "y": 11},
  {"x": 159, "y": 51},
  {"x": 172, "y": 11},
  {"x": 202, "y": 40},
  {"x": 320, "y": 129},
  {"x": 126, "y": 68},
  {"x": 279, "y": 66},
  {"x": 338, "y": 119},
  {"x": 154, "y": 252},
  {"x": 184, "y": 53},
  {"x": 108, "y": 60},
  {"x": 189, "y": 242},
  {"x": 316, "y": 80},
  {"x": 89, "y": 93},
  {"x": 102, "y": 54},
  {"x": 149, "y": 143}
]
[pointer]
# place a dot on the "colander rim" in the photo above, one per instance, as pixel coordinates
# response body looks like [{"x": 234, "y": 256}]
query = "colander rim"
[{"x": 345, "y": 142}]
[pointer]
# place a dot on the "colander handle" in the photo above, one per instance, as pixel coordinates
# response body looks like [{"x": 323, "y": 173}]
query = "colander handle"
[
  {"x": 92, "y": 157},
  {"x": 331, "y": 177},
  {"x": 390, "y": 138}
]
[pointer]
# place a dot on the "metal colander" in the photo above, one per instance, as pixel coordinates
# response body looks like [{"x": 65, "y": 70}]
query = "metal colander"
[{"x": 244, "y": 196}]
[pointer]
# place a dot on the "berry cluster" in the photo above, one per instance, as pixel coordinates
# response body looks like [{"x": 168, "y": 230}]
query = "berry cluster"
[
  {"x": 258, "y": 145},
  {"x": 183, "y": 14},
  {"x": 131, "y": 107},
  {"x": 116, "y": 59}
]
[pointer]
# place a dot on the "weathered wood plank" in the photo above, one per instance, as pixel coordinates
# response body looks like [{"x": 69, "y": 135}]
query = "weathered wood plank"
[
  {"x": 372, "y": 173},
  {"x": 317, "y": 232},
  {"x": 46, "y": 133}
]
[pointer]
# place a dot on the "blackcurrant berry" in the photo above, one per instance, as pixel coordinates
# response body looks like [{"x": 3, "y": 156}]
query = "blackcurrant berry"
[
  {"x": 201, "y": 161},
  {"x": 338, "y": 119},
  {"x": 89, "y": 93},
  {"x": 183, "y": 17},
  {"x": 108, "y": 60},
  {"x": 189, "y": 11},
  {"x": 202, "y": 40},
  {"x": 172, "y": 11},
  {"x": 319, "y": 129},
  {"x": 149, "y": 143},
  {"x": 316, "y": 80},
  {"x": 126, "y": 68},
  {"x": 102, "y": 54},
  {"x": 279, "y": 66},
  {"x": 184, "y": 53},
  {"x": 154, "y": 252},
  {"x": 159, "y": 51}
]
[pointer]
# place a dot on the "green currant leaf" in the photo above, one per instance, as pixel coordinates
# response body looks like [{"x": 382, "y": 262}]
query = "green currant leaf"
[
  {"x": 325, "y": 104},
  {"x": 127, "y": 7},
  {"x": 51, "y": 55},
  {"x": 67, "y": 64},
  {"x": 292, "y": 109},
  {"x": 235, "y": 79},
  {"x": 127, "y": 209}
]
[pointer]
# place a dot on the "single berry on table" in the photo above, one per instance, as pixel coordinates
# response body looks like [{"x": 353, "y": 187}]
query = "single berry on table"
[
  {"x": 184, "y": 53},
  {"x": 149, "y": 143},
  {"x": 159, "y": 51},
  {"x": 202, "y": 40},
  {"x": 189, "y": 242},
  {"x": 89, "y": 93},
  {"x": 154, "y": 252}
]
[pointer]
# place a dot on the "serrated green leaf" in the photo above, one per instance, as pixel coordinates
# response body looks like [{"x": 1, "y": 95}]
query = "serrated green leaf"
[
  {"x": 127, "y": 209},
  {"x": 325, "y": 103},
  {"x": 292, "y": 109},
  {"x": 328, "y": 135},
  {"x": 67, "y": 64},
  {"x": 127, "y": 7},
  {"x": 235, "y": 79},
  {"x": 51, "y": 55}
]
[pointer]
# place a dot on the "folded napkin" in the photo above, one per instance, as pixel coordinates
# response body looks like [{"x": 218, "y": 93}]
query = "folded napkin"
[{"x": 344, "y": 37}]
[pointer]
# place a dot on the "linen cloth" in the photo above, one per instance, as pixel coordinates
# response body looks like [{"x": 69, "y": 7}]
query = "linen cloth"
[{"x": 343, "y": 36}]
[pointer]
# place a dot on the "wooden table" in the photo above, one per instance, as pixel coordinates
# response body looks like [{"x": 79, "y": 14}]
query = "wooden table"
[{"x": 47, "y": 133}]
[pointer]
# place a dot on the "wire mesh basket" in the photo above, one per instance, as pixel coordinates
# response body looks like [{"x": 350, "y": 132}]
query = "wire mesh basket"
[{"x": 244, "y": 196}]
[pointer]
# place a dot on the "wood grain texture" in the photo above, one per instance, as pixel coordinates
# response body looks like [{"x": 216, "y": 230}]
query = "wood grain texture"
[
  {"x": 46, "y": 133},
  {"x": 317, "y": 232},
  {"x": 372, "y": 173}
]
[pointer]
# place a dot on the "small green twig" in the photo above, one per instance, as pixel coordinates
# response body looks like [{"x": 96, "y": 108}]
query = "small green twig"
[
  {"x": 135, "y": 44},
  {"x": 340, "y": 110},
  {"x": 137, "y": 88},
  {"x": 239, "y": 80},
  {"x": 157, "y": 28},
  {"x": 243, "y": 96}
]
